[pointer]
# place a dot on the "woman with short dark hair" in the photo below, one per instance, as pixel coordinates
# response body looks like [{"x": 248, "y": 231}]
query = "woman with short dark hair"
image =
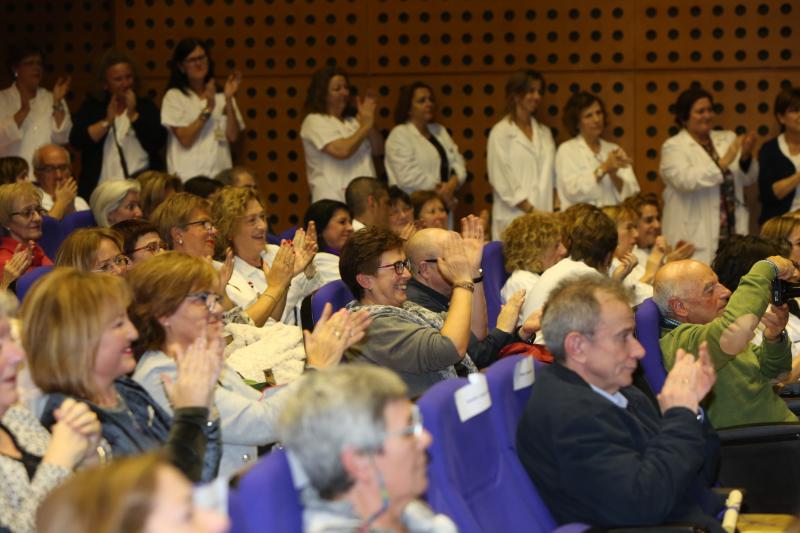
[
  {"x": 588, "y": 168},
  {"x": 779, "y": 159}
]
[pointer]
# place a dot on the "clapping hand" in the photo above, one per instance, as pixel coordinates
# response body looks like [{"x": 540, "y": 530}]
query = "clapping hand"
[
  {"x": 198, "y": 368},
  {"x": 211, "y": 94},
  {"x": 472, "y": 237},
  {"x": 626, "y": 264},
  {"x": 509, "y": 312},
  {"x": 366, "y": 110},
  {"x": 61, "y": 88},
  {"x": 232, "y": 84},
  {"x": 333, "y": 334},
  {"x": 18, "y": 264}
]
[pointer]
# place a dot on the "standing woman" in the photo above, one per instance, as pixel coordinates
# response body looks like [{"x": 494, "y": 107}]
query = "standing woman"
[
  {"x": 705, "y": 172},
  {"x": 520, "y": 154},
  {"x": 590, "y": 169},
  {"x": 779, "y": 159},
  {"x": 339, "y": 141},
  {"x": 198, "y": 118},
  {"x": 117, "y": 132},
  {"x": 420, "y": 155},
  {"x": 30, "y": 115}
]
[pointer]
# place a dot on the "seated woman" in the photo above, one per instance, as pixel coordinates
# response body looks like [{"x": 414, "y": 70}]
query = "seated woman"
[
  {"x": 33, "y": 461},
  {"x": 531, "y": 245},
  {"x": 140, "y": 239},
  {"x": 115, "y": 201},
  {"x": 785, "y": 228},
  {"x": 21, "y": 215},
  {"x": 93, "y": 250},
  {"x": 429, "y": 210},
  {"x": 156, "y": 187},
  {"x": 424, "y": 347},
  {"x": 184, "y": 223},
  {"x": 237, "y": 177},
  {"x": 78, "y": 339},
  {"x": 242, "y": 222},
  {"x": 401, "y": 214},
  {"x": 144, "y": 493},
  {"x": 333, "y": 222}
]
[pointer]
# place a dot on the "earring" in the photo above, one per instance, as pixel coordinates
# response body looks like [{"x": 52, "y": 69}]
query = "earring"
[{"x": 180, "y": 241}]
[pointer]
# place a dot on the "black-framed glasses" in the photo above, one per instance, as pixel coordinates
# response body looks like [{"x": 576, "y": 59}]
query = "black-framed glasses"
[
  {"x": 399, "y": 266},
  {"x": 120, "y": 262},
  {"x": 206, "y": 223},
  {"x": 152, "y": 247},
  {"x": 54, "y": 168},
  {"x": 207, "y": 298},
  {"x": 28, "y": 213},
  {"x": 413, "y": 429},
  {"x": 196, "y": 60}
]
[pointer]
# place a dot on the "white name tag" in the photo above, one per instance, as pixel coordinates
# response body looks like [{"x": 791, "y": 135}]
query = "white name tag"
[
  {"x": 524, "y": 373},
  {"x": 474, "y": 398}
]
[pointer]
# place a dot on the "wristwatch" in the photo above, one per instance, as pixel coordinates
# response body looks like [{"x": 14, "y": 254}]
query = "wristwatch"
[
  {"x": 598, "y": 172},
  {"x": 205, "y": 113}
]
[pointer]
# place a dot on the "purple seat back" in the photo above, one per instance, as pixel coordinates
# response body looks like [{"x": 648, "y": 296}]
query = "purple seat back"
[
  {"x": 469, "y": 479},
  {"x": 78, "y": 219},
  {"x": 52, "y": 236},
  {"x": 273, "y": 239},
  {"x": 266, "y": 499},
  {"x": 335, "y": 292},
  {"x": 26, "y": 281},
  {"x": 494, "y": 277},
  {"x": 648, "y": 332},
  {"x": 507, "y": 403}
]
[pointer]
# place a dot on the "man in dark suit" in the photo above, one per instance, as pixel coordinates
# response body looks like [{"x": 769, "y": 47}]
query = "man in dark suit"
[{"x": 596, "y": 448}]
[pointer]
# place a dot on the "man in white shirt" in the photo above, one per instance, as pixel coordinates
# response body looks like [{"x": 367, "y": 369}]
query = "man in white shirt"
[
  {"x": 368, "y": 202},
  {"x": 53, "y": 170}
]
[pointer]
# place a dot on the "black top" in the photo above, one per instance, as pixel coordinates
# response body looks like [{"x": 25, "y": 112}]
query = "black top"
[
  {"x": 773, "y": 166},
  {"x": 444, "y": 168},
  {"x": 30, "y": 461}
]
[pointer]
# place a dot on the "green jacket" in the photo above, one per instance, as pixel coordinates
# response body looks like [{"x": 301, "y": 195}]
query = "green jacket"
[{"x": 743, "y": 393}]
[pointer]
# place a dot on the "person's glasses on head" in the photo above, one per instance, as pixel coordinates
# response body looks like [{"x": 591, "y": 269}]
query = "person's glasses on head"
[
  {"x": 117, "y": 263},
  {"x": 207, "y": 298},
  {"x": 30, "y": 212},
  {"x": 399, "y": 266},
  {"x": 152, "y": 247}
]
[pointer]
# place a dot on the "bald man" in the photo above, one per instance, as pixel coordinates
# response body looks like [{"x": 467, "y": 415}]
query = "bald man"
[
  {"x": 431, "y": 288},
  {"x": 695, "y": 307},
  {"x": 53, "y": 170}
]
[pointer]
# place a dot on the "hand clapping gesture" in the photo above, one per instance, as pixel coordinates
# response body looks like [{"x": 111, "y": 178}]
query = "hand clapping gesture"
[
  {"x": 197, "y": 373},
  {"x": 333, "y": 334},
  {"x": 232, "y": 84}
]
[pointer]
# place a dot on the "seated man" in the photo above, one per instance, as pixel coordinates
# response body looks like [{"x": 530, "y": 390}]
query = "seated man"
[
  {"x": 362, "y": 446},
  {"x": 53, "y": 170},
  {"x": 368, "y": 202},
  {"x": 695, "y": 308},
  {"x": 431, "y": 288},
  {"x": 596, "y": 448}
]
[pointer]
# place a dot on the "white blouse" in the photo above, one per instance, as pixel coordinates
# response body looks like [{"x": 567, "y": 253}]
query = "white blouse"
[
  {"x": 521, "y": 279},
  {"x": 413, "y": 163}
]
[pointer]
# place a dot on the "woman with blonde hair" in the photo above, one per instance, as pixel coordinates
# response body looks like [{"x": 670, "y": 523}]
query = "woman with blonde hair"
[
  {"x": 785, "y": 228},
  {"x": 78, "y": 338},
  {"x": 156, "y": 187},
  {"x": 21, "y": 215},
  {"x": 93, "y": 250},
  {"x": 130, "y": 495},
  {"x": 531, "y": 245}
]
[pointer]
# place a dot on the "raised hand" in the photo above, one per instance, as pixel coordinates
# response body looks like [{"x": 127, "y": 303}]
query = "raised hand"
[
  {"x": 748, "y": 144},
  {"x": 66, "y": 191},
  {"x": 454, "y": 264},
  {"x": 706, "y": 374},
  {"x": 366, "y": 110},
  {"x": 333, "y": 334},
  {"x": 130, "y": 103},
  {"x": 18, "y": 264},
  {"x": 509, "y": 312},
  {"x": 775, "y": 319},
  {"x": 304, "y": 250},
  {"x": 75, "y": 434},
  {"x": 681, "y": 387},
  {"x": 531, "y": 325},
  {"x": 226, "y": 271},
  {"x": 472, "y": 236},
  {"x": 61, "y": 88},
  {"x": 282, "y": 271},
  {"x": 408, "y": 231},
  {"x": 730, "y": 154},
  {"x": 682, "y": 250},
  {"x": 626, "y": 264},
  {"x": 197, "y": 373},
  {"x": 786, "y": 269},
  {"x": 232, "y": 84}
]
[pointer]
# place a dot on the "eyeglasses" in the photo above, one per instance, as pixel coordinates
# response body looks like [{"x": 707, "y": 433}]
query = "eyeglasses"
[
  {"x": 120, "y": 262},
  {"x": 54, "y": 168},
  {"x": 207, "y": 224},
  {"x": 152, "y": 247},
  {"x": 399, "y": 266},
  {"x": 209, "y": 299},
  {"x": 28, "y": 213},
  {"x": 252, "y": 220},
  {"x": 413, "y": 429},
  {"x": 196, "y": 60}
]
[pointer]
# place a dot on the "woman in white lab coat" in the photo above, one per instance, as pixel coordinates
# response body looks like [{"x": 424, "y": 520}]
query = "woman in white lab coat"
[
  {"x": 420, "y": 155},
  {"x": 520, "y": 154},
  {"x": 590, "y": 169},
  {"x": 705, "y": 172}
]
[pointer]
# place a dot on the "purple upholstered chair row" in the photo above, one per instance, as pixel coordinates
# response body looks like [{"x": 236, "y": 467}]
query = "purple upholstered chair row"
[
  {"x": 55, "y": 231},
  {"x": 494, "y": 277}
]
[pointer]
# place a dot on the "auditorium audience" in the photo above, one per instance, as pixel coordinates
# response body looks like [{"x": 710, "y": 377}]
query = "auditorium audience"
[
  {"x": 430, "y": 210},
  {"x": 201, "y": 122},
  {"x": 362, "y": 445},
  {"x": 339, "y": 139},
  {"x": 696, "y": 307},
  {"x": 333, "y": 222},
  {"x": 184, "y": 223},
  {"x": 13, "y": 169},
  {"x": 589, "y": 168},
  {"x": 640, "y": 276},
  {"x": 705, "y": 172},
  {"x": 78, "y": 338},
  {"x": 32, "y": 460},
  {"x": 600, "y": 452},
  {"x": 520, "y": 154},
  {"x": 420, "y": 155},
  {"x": 131, "y": 495},
  {"x": 425, "y": 346},
  {"x": 779, "y": 159},
  {"x": 21, "y": 215},
  {"x": 368, "y": 202},
  {"x": 156, "y": 187},
  {"x": 30, "y": 115},
  {"x": 93, "y": 250},
  {"x": 140, "y": 239},
  {"x": 52, "y": 168},
  {"x": 118, "y": 132},
  {"x": 532, "y": 243},
  {"x": 114, "y": 201},
  {"x": 237, "y": 177},
  {"x": 648, "y": 237}
]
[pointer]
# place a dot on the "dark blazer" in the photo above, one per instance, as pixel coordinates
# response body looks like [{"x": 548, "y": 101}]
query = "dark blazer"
[
  {"x": 148, "y": 129},
  {"x": 773, "y": 166},
  {"x": 597, "y": 463}
]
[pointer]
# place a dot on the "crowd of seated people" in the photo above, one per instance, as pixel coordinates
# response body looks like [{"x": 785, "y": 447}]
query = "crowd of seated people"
[{"x": 161, "y": 344}]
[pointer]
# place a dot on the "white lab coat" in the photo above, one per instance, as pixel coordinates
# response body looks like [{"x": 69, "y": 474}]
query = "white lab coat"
[
  {"x": 691, "y": 197},
  {"x": 519, "y": 169},
  {"x": 575, "y": 166},
  {"x": 413, "y": 163}
]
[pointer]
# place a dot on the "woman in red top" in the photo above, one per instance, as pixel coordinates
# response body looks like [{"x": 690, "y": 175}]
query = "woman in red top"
[{"x": 21, "y": 215}]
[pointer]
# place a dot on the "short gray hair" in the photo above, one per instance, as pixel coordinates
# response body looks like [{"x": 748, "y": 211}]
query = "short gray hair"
[
  {"x": 665, "y": 290},
  {"x": 573, "y": 306},
  {"x": 335, "y": 409},
  {"x": 36, "y": 160},
  {"x": 108, "y": 196}
]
